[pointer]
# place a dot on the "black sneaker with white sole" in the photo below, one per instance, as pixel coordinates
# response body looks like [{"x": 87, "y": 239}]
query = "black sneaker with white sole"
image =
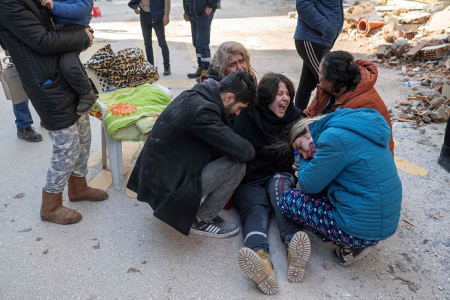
[
  {"x": 346, "y": 256},
  {"x": 217, "y": 228}
]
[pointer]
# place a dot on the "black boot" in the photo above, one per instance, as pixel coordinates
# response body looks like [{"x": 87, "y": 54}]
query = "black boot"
[
  {"x": 196, "y": 74},
  {"x": 28, "y": 134},
  {"x": 86, "y": 102},
  {"x": 444, "y": 159},
  {"x": 167, "y": 70}
]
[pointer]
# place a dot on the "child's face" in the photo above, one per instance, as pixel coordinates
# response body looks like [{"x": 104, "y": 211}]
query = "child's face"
[{"x": 302, "y": 146}]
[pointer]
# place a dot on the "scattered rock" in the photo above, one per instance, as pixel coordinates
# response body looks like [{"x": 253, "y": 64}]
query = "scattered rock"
[
  {"x": 435, "y": 216},
  {"x": 26, "y": 230},
  {"x": 96, "y": 246},
  {"x": 45, "y": 252},
  {"x": 436, "y": 102},
  {"x": 19, "y": 196},
  {"x": 133, "y": 270},
  {"x": 439, "y": 115},
  {"x": 326, "y": 266},
  {"x": 38, "y": 239}
]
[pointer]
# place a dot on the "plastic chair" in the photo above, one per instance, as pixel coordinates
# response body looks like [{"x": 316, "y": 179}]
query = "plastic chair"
[{"x": 114, "y": 146}]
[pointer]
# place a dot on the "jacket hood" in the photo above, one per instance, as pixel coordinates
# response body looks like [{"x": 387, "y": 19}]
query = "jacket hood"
[{"x": 366, "y": 122}]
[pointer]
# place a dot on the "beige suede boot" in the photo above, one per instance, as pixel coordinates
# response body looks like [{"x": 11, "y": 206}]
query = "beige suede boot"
[
  {"x": 53, "y": 211},
  {"x": 257, "y": 267},
  {"x": 78, "y": 190},
  {"x": 299, "y": 251}
]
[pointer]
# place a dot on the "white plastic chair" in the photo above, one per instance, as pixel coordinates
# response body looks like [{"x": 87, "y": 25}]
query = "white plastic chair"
[{"x": 114, "y": 146}]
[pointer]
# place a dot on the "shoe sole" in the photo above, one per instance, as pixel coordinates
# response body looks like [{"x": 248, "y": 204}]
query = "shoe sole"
[
  {"x": 214, "y": 235},
  {"x": 251, "y": 265},
  {"x": 348, "y": 263},
  {"x": 299, "y": 250},
  {"x": 60, "y": 222},
  {"x": 89, "y": 200}
]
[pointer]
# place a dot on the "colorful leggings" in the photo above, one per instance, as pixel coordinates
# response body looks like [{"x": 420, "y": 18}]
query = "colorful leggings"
[{"x": 313, "y": 211}]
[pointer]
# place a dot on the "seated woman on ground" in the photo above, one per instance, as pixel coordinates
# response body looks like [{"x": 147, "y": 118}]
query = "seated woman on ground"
[
  {"x": 347, "y": 83},
  {"x": 265, "y": 179},
  {"x": 345, "y": 158},
  {"x": 229, "y": 57}
]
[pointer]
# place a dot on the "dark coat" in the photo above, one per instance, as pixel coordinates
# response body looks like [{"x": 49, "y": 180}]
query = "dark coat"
[
  {"x": 186, "y": 135},
  {"x": 262, "y": 127},
  {"x": 199, "y": 6},
  {"x": 156, "y": 9},
  {"x": 29, "y": 35}
]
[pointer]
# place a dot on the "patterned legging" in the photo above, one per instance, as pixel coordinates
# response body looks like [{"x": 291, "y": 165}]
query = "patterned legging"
[
  {"x": 313, "y": 211},
  {"x": 71, "y": 147}
]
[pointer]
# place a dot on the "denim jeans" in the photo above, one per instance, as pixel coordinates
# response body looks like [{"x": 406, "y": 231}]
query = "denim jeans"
[
  {"x": 23, "y": 115},
  {"x": 255, "y": 202},
  {"x": 219, "y": 180},
  {"x": 147, "y": 25},
  {"x": 201, "y": 32}
]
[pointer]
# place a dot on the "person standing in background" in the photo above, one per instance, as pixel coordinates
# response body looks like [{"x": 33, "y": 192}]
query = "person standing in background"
[
  {"x": 154, "y": 14},
  {"x": 200, "y": 13},
  {"x": 24, "y": 120},
  {"x": 444, "y": 158},
  {"x": 318, "y": 26}
]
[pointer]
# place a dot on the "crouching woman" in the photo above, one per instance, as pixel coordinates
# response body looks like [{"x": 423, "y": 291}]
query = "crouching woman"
[{"x": 350, "y": 190}]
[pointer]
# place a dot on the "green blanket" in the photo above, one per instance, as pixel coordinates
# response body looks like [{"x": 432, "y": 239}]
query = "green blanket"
[{"x": 132, "y": 112}]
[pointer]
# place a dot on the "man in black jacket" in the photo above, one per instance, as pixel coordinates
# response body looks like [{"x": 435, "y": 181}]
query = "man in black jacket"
[
  {"x": 28, "y": 33},
  {"x": 191, "y": 153}
]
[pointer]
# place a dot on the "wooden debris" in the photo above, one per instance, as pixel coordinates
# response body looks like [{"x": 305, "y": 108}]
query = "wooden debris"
[{"x": 409, "y": 222}]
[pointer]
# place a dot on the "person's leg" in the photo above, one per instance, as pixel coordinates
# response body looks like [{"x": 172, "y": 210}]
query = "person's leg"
[
  {"x": 252, "y": 202},
  {"x": 146, "y": 25},
  {"x": 78, "y": 190},
  {"x": 311, "y": 54},
  {"x": 24, "y": 121},
  {"x": 219, "y": 180},
  {"x": 444, "y": 158},
  {"x": 203, "y": 39},
  {"x": 194, "y": 21},
  {"x": 296, "y": 242},
  {"x": 275, "y": 187},
  {"x": 160, "y": 34},
  {"x": 314, "y": 212},
  {"x": 66, "y": 151}
]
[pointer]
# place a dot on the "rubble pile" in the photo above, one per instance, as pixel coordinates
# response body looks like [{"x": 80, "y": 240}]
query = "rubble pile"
[{"x": 417, "y": 44}]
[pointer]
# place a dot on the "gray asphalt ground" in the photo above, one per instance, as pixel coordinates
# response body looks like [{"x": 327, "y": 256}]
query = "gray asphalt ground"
[{"x": 120, "y": 251}]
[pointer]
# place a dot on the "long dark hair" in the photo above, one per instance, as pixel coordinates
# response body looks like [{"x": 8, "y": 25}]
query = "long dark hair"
[{"x": 268, "y": 87}]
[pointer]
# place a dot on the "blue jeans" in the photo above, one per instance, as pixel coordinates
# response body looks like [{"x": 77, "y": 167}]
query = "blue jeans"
[
  {"x": 201, "y": 32},
  {"x": 23, "y": 115},
  {"x": 147, "y": 25}
]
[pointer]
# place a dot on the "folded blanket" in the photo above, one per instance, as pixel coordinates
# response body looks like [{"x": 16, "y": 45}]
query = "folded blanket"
[{"x": 132, "y": 112}]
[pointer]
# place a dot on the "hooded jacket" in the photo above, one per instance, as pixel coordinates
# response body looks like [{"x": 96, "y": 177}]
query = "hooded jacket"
[
  {"x": 28, "y": 33},
  {"x": 261, "y": 127},
  {"x": 73, "y": 12},
  {"x": 319, "y": 21},
  {"x": 353, "y": 159},
  {"x": 183, "y": 140},
  {"x": 363, "y": 96}
]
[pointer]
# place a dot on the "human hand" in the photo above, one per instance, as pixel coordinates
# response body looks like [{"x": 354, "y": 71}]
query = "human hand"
[
  {"x": 89, "y": 32},
  {"x": 208, "y": 10},
  {"x": 186, "y": 17},
  {"x": 137, "y": 11},
  {"x": 47, "y": 3},
  {"x": 295, "y": 166},
  {"x": 166, "y": 20}
]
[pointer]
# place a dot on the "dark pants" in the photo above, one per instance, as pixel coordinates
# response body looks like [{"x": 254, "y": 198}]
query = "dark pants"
[
  {"x": 201, "y": 32},
  {"x": 147, "y": 25},
  {"x": 23, "y": 115},
  {"x": 71, "y": 67},
  {"x": 312, "y": 54},
  {"x": 255, "y": 201},
  {"x": 447, "y": 134}
]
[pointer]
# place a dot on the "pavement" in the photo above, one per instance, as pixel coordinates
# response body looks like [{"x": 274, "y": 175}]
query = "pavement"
[{"x": 120, "y": 251}]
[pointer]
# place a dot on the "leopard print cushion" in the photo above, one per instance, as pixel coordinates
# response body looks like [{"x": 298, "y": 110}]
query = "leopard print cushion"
[{"x": 126, "y": 68}]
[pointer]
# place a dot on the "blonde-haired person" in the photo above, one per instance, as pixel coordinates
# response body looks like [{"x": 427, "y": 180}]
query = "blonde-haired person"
[
  {"x": 350, "y": 190},
  {"x": 230, "y": 57}
]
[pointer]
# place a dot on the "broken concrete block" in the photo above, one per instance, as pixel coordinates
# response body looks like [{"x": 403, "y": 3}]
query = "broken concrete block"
[
  {"x": 439, "y": 115},
  {"x": 446, "y": 91},
  {"x": 434, "y": 82},
  {"x": 436, "y": 102}
]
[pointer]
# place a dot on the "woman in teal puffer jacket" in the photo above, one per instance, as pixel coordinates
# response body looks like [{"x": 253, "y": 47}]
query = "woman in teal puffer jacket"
[{"x": 350, "y": 190}]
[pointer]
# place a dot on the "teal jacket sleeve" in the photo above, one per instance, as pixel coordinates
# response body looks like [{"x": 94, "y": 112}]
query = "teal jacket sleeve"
[{"x": 330, "y": 159}]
